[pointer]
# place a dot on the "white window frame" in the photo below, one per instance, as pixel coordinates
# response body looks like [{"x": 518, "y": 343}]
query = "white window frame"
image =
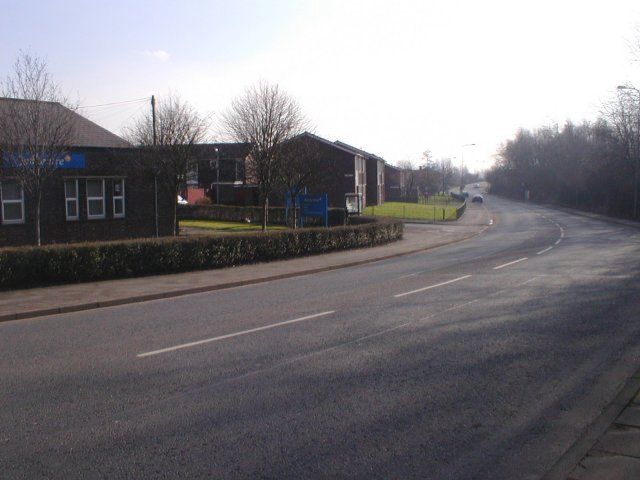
[
  {"x": 68, "y": 199},
  {"x": 104, "y": 213},
  {"x": 118, "y": 197},
  {"x": 21, "y": 202}
]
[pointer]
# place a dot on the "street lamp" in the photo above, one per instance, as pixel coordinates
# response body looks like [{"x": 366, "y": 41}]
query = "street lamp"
[
  {"x": 637, "y": 151},
  {"x": 217, "y": 175},
  {"x": 462, "y": 165}
]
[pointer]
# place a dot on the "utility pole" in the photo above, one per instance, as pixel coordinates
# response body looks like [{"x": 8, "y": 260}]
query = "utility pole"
[
  {"x": 153, "y": 119},
  {"x": 155, "y": 170}
]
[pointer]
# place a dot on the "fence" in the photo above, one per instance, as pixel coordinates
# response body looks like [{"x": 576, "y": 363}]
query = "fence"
[{"x": 431, "y": 209}]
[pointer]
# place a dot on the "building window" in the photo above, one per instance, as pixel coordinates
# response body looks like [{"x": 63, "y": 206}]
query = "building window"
[
  {"x": 12, "y": 202},
  {"x": 95, "y": 199},
  {"x": 71, "y": 199},
  {"x": 118, "y": 198}
]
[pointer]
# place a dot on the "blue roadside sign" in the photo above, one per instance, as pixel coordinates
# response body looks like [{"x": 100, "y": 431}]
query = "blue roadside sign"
[{"x": 314, "y": 206}]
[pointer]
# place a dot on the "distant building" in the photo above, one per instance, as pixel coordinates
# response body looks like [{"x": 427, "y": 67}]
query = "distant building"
[
  {"x": 99, "y": 192},
  {"x": 346, "y": 170},
  {"x": 226, "y": 181},
  {"x": 395, "y": 189}
]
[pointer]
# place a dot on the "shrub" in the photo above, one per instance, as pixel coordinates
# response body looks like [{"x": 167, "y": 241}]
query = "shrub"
[
  {"x": 25, "y": 267},
  {"x": 203, "y": 201},
  {"x": 233, "y": 213}
]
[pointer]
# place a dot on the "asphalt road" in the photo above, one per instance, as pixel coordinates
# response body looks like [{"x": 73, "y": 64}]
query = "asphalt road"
[{"x": 484, "y": 359}]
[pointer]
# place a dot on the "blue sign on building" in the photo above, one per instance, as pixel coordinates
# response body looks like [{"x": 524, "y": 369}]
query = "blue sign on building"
[
  {"x": 69, "y": 160},
  {"x": 72, "y": 160}
]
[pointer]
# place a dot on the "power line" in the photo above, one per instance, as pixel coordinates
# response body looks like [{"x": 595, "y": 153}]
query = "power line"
[{"x": 115, "y": 103}]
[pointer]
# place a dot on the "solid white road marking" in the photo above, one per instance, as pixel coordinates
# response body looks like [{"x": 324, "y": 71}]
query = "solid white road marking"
[
  {"x": 431, "y": 286},
  {"x": 558, "y": 241},
  {"x": 231, "y": 335},
  {"x": 511, "y": 263},
  {"x": 544, "y": 251}
]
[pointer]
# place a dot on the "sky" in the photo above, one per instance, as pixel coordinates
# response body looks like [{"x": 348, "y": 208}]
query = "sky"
[{"x": 394, "y": 78}]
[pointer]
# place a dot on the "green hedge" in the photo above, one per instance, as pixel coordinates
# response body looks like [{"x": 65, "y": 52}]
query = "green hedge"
[
  {"x": 232, "y": 213},
  {"x": 26, "y": 267}
]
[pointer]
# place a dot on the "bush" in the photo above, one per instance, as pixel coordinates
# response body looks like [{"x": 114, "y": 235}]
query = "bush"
[
  {"x": 36, "y": 266},
  {"x": 203, "y": 201},
  {"x": 232, "y": 213}
]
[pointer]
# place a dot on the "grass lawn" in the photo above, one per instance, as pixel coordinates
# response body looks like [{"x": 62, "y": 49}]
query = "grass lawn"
[
  {"x": 414, "y": 211},
  {"x": 228, "y": 227}
]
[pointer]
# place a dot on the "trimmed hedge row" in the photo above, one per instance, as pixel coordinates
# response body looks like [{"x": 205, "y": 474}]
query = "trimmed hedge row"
[
  {"x": 26, "y": 267},
  {"x": 231, "y": 213}
]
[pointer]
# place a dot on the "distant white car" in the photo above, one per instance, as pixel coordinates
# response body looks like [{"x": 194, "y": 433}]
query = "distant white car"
[{"x": 182, "y": 201}]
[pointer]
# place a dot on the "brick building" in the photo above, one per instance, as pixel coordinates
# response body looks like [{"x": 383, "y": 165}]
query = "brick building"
[
  {"x": 345, "y": 169},
  {"x": 100, "y": 191},
  {"x": 225, "y": 182},
  {"x": 375, "y": 174},
  {"x": 394, "y": 184}
]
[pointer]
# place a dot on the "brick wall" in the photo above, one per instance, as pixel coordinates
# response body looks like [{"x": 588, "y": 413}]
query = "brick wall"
[{"x": 107, "y": 164}]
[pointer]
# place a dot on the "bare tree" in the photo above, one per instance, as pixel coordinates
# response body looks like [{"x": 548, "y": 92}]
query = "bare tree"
[
  {"x": 36, "y": 128},
  {"x": 169, "y": 148},
  {"x": 446, "y": 171},
  {"x": 410, "y": 174},
  {"x": 624, "y": 115},
  {"x": 266, "y": 118}
]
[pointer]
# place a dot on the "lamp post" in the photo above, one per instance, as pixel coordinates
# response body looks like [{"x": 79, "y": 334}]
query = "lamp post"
[
  {"x": 462, "y": 165},
  {"x": 637, "y": 151},
  {"x": 217, "y": 176}
]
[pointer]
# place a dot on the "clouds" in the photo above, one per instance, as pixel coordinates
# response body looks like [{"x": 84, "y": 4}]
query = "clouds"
[{"x": 159, "y": 55}]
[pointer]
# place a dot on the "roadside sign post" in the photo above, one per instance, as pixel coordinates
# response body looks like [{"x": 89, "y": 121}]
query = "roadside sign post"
[
  {"x": 353, "y": 203},
  {"x": 288, "y": 203}
]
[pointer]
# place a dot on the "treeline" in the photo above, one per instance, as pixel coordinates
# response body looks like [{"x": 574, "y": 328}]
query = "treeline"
[{"x": 591, "y": 166}]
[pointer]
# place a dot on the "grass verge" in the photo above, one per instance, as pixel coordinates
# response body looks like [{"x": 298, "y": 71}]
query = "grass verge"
[
  {"x": 413, "y": 211},
  {"x": 227, "y": 226}
]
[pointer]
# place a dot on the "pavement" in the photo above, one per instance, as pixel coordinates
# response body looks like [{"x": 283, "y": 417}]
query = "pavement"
[
  {"x": 508, "y": 355},
  {"x": 34, "y": 302},
  {"x": 615, "y": 455}
]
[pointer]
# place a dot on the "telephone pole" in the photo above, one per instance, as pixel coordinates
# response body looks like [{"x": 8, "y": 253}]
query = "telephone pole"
[{"x": 153, "y": 118}]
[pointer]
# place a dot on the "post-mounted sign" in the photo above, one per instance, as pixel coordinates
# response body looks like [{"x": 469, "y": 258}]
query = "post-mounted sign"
[
  {"x": 353, "y": 203},
  {"x": 314, "y": 206}
]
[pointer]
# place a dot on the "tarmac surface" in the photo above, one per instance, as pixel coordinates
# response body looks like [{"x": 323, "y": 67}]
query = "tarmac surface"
[
  {"x": 488, "y": 358},
  {"x": 66, "y": 298}
]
